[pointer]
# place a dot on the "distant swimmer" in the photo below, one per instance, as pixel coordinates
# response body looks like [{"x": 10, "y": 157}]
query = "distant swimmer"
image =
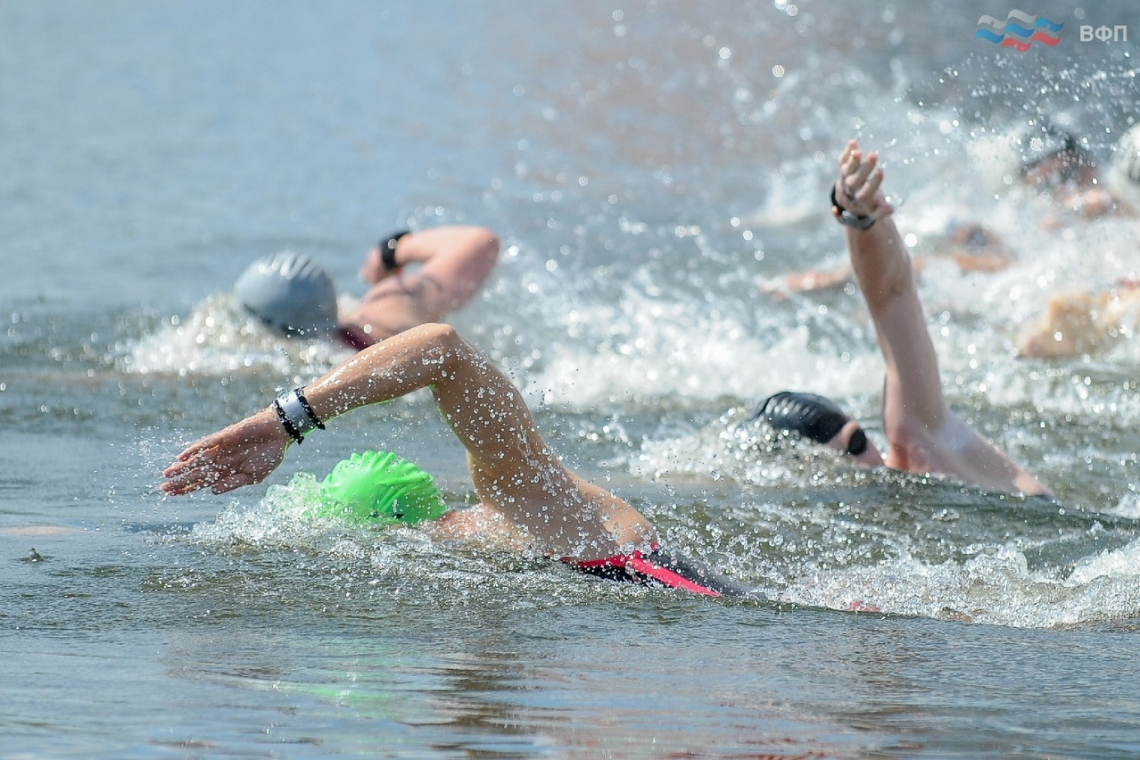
[
  {"x": 923, "y": 435},
  {"x": 413, "y": 278},
  {"x": 1050, "y": 161},
  {"x": 522, "y": 485},
  {"x": 1083, "y": 322},
  {"x": 967, "y": 245},
  {"x": 1078, "y": 322},
  {"x": 1054, "y": 162}
]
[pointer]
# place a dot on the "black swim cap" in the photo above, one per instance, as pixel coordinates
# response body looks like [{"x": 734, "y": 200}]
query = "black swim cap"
[
  {"x": 811, "y": 416},
  {"x": 1045, "y": 140}
]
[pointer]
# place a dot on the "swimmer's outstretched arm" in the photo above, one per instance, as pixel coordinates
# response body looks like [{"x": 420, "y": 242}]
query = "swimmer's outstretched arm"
[
  {"x": 924, "y": 435},
  {"x": 480, "y": 403},
  {"x": 884, "y": 272},
  {"x": 513, "y": 469}
]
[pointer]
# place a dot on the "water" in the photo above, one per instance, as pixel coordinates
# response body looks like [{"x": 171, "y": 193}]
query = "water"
[{"x": 646, "y": 168}]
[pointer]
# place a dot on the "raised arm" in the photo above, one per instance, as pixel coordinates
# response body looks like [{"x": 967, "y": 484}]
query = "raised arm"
[
  {"x": 453, "y": 262},
  {"x": 924, "y": 435},
  {"x": 883, "y": 270}
]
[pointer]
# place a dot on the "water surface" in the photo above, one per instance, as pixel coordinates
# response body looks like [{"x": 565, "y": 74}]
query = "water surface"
[{"x": 647, "y": 167}]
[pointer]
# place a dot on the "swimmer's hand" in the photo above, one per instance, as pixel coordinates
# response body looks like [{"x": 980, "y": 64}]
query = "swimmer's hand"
[
  {"x": 857, "y": 188},
  {"x": 240, "y": 455}
]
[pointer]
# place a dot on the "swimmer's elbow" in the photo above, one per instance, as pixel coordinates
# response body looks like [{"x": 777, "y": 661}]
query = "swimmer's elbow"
[
  {"x": 1031, "y": 486},
  {"x": 478, "y": 252},
  {"x": 435, "y": 333},
  {"x": 491, "y": 245}
]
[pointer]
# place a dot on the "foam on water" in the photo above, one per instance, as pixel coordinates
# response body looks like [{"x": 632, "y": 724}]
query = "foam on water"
[
  {"x": 742, "y": 450},
  {"x": 653, "y": 348},
  {"x": 994, "y": 583},
  {"x": 391, "y": 559},
  {"x": 795, "y": 525},
  {"x": 995, "y": 587},
  {"x": 217, "y": 339}
]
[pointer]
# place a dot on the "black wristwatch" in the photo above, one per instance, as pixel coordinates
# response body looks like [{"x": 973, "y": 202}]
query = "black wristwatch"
[
  {"x": 388, "y": 250},
  {"x": 850, "y": 218}
]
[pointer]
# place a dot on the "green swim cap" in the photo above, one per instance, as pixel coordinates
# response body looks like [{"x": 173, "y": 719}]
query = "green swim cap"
[{"x": 378, "y": 487}]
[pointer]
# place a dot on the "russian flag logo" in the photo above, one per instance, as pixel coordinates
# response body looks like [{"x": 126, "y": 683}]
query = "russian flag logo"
[{"x": 1019, "y": 30}]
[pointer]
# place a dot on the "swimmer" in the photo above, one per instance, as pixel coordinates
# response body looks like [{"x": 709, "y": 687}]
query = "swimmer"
[
  {"x": 520, "y": 481},
  {"x": 1083, "y": 322},
  {"x": 414, "y": 278},
  {"x": 924, "y": 436},
  {"x": 1079, "y": 322},
  {"x": 968, "y": 246},
  {"x": 1051, "y": 161},
  {"x": 818, "y": 419}
]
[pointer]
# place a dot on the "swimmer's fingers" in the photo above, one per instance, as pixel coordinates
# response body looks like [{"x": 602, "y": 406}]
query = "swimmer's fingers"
[
  {"x": 854, "y": 172},
  {"x": 239, "y": 455},
  {"x": 845, "y": 155},
  {"x": 198, "y": 467},
  {"x": 208, "y": 443},
  {"x": 859, "y": 192},
  {"x": 184, "y": 479},
  {"x": 848, "y": 170},
  {"x": 190, "y": 452},
  {"x": 190, "y": 469},
  {"x": 195, "y": 468},
  {"x": 863, "y": 172},
  {"x": 853, "y": 165},
  {"x": 871, "y": 199},
  {"x": 866, "y": 193},
  {"x": 221, "y": 469}
]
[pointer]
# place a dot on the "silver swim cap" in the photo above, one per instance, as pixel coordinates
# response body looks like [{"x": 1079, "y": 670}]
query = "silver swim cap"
[
  {"x": 290, "y": 293},
  {"x": 1124, "y": 177}
]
